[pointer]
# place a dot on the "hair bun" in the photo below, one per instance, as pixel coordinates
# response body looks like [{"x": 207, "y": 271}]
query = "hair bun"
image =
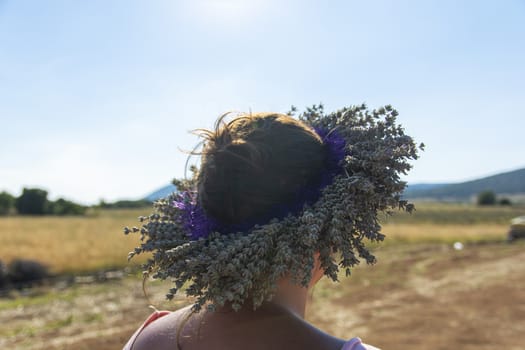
[{"x": 255, "y": 163}]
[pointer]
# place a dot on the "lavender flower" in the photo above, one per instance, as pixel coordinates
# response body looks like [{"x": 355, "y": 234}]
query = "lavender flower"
[{"x": 366, "y": 151}]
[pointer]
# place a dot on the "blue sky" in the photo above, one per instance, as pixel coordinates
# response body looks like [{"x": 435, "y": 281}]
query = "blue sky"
[{"x": 97, "y": 97}]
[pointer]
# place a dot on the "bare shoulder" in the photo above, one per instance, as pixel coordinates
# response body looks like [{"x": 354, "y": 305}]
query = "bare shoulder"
[
  {"x": 228, "y": 331},
  {"x": 163, "y": 332},
  {"x": 268, "y": 331}
]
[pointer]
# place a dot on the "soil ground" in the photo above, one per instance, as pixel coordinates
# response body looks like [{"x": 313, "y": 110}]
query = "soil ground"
[{"x": 418, "y": 296}]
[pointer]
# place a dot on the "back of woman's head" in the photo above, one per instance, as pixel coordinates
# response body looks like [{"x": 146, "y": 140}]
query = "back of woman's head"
[
  {"x": 254, "y": 164},
  {"x": 232, "y": 239}
]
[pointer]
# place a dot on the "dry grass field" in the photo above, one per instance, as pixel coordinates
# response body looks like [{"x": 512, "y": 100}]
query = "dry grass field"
[
  {"x": 71, "y": 244},
  {"x": 94, "y": 242},
  {"x": 422, "y": 294}
]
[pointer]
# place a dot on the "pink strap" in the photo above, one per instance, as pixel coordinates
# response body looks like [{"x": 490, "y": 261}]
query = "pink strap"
[
  {"x": 357, "y": 344},
  {"x": 353, "y": 344},
  {"x": 151, "y": 318}
]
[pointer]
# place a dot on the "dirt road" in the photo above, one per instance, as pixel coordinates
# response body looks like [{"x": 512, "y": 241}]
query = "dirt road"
[{"x": 434, "y": 297}]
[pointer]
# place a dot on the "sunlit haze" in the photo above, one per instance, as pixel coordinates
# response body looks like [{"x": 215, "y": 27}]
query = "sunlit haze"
[{"x": 97, "y": 98}]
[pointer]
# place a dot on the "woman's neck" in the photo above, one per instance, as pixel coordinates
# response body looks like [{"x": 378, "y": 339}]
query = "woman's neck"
[{"x": 291, "y": 296}]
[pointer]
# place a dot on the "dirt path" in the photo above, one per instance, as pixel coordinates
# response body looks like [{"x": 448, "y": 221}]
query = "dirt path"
[
  {"x": 417, "y": 297},
  {"x": 436, "y": 298}
]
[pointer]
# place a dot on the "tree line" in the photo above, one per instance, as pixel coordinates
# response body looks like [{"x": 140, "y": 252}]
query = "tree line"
[
  {"x": 34, "y": 201},
  {"x": 488, "y": 197}
]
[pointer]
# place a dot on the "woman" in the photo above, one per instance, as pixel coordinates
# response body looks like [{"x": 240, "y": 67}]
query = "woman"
[{"x": 277, "y": 204}]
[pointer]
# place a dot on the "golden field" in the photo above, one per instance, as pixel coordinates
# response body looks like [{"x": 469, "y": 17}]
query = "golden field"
[
  {"x": 71, "y": 244},
  {"x": 96, "y": 241}
]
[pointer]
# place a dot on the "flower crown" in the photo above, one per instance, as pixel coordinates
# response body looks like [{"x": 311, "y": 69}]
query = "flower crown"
[
  {"x": 365, "y": 153},
  {"x": 199, "y": 225}
]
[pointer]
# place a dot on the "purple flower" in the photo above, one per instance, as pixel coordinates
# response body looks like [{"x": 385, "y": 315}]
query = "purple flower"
[{"x": 192, "y": 216}]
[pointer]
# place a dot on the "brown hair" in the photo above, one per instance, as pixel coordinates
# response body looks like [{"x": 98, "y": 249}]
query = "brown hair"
[{"x": 254, "y": 163}]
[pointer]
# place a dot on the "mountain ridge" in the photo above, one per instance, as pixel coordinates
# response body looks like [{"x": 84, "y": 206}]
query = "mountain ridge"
[
  {"x": 161, "y": 193},
  {"x": 506, "y": 183}
]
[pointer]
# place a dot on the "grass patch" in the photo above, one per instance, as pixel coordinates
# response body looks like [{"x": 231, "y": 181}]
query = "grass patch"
[
  {"x": 456, "y": 214},
  {"x": 57, "y": 324},
  {"x": 46, "y": 297},
  {"x": 406, "y": 233},
  {"x": 93, "y": 317}
]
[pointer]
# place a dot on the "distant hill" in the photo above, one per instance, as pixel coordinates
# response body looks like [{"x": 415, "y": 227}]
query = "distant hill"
[
  {"x": 509, "y": 183},
  {"x": 422, "y": 187},
  {"x": 161, "y": 193}
]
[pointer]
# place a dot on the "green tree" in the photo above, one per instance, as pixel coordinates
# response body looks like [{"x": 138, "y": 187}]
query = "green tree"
[
  {"x": 65, "y": 207},
  {"x": 6, "y": 203},
  {"x": 125, "y": 204},
  {"x": 32, "y": 201},
  {"x": 505, "y": 201},
  {"x": 486, "y": 198}
]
